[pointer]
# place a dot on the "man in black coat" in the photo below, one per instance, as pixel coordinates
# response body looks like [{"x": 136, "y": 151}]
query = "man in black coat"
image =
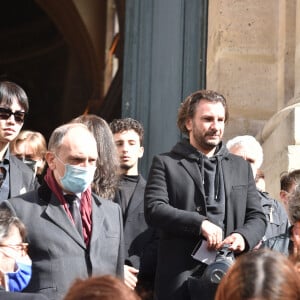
[
  {"x": 200, "y": 192},
  {"x": 140, "y": 239}
]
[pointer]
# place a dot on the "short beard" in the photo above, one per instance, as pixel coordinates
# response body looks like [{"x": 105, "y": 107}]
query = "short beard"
[{"x": 207, "y": 145}]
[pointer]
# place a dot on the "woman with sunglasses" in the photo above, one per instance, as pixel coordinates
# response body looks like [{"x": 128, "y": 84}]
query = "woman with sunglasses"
[
  {"x": 15, "y": 177},
  {"x": 15, "y": 264}
]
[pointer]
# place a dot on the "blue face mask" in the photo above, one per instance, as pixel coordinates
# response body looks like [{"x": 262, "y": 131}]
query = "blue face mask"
[
  {"x": 77, "y": 179},
  {"x": 18, "y": 280}
]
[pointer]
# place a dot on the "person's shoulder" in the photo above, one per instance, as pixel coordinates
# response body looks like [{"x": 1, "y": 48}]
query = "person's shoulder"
[
  {"x": 24, "y": 201},
  {"x": 108, "y": 209},
  {"x": 21, "y": 296},
  {"x": 236, "y": 158},
  {"x": 268, "y": 200},
  {"x": 278, "y": 238},
  {"x": 107, "y": 204},
  {"x": 142, "y": 180},
  {"x": 29, "y": 195}
]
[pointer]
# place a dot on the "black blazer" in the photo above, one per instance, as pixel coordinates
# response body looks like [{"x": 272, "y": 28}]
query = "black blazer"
[
  {"x": 140, "y": 239},
  {"x": 175, "y": 204}
]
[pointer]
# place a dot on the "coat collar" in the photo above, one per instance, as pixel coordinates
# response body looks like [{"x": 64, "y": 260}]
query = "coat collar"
[{"x": 56, "y": 213}]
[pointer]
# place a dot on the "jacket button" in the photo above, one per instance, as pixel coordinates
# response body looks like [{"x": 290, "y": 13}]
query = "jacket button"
[{"x": 198, "y": 209}]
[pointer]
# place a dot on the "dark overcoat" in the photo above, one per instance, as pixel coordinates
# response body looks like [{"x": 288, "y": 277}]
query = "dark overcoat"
[{"x": 175, "y": 204}]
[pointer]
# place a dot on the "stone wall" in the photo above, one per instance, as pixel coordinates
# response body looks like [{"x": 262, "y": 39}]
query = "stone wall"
[{"x": 252, "y": 56}]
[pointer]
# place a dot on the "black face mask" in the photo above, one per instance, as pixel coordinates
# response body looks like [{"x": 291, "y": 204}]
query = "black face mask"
[{"x": 30, "y": 163}]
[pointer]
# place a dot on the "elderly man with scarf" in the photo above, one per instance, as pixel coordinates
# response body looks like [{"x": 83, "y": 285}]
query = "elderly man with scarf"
[
  {"x": 199, "y": 194},
  {"x": 72, "y": 233}
]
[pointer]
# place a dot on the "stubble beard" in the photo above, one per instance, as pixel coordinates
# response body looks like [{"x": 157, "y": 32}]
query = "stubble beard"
[
  {"x": 204, "y": 143},
  {"x": 125, "y": 167}
]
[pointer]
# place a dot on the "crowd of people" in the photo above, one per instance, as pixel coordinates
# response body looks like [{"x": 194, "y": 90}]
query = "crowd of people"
[{"x": 79, "y": 221}]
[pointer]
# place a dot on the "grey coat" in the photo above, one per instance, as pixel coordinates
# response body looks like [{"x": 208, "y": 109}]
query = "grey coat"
[{"x": 58, "y": 252}]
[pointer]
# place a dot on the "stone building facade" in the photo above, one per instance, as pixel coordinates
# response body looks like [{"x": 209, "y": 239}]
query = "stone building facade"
[{"x": 253, "y": 58}]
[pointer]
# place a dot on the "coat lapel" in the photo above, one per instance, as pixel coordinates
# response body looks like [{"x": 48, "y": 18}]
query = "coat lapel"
[
  {"x": 137, "y": 196},
  {"x": 97, "y": 218},
  {"x": 227, "y": 175},
  {"x": 15, "y": 179},
  {"x": 58, "y": 216},
  {"x": 193, "y": 169}
]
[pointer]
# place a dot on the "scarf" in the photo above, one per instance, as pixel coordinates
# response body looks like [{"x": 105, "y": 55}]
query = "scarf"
[{"x": 85, "y": 205}]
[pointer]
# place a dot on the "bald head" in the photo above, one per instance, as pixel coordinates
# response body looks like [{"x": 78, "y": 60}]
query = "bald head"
[
  {"x": 71, "y": 144},
  {"x": 76, "y": 130}
]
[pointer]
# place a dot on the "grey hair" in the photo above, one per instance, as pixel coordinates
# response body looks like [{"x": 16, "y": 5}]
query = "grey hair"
[
  {"x": 247, "y": 142},
  {"x": 59, "y": 133}
]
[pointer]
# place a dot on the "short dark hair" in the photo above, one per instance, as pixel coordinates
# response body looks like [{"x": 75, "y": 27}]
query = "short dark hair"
[
  {"x": 294, "y": 205},
  {"x": 287, "y": 179},
  {"x": 188, "y": 106},
  {"x": 10, "y": 91},
  {"x": 120, "y": 125}
]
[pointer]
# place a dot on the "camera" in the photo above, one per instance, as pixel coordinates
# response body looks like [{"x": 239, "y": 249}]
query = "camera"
[
  {"x": 206, "y": 285},
  {"x": 215, "y": 271}
]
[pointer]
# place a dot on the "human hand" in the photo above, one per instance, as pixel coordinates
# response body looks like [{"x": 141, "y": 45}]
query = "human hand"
[
  {"x": 212, "y": 233},
  {"x": 130, "y": 276},
  {"x": 235, "y": 241}
]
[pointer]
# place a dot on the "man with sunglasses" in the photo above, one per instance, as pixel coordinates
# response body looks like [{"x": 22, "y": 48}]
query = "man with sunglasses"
[{"x": 15, "y": 177}]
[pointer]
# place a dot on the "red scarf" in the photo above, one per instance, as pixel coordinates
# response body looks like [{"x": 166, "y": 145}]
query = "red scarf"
[{"x": 85, "y": 205}]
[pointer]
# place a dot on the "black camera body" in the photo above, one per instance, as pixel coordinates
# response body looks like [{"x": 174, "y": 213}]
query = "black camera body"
[
  {"x": 207, "y": 284},
  {"x": 215, "y": 271}
]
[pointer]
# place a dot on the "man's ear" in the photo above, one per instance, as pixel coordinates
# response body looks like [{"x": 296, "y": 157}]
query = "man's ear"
[
  {"x": 50, "y": 158},
  {"x": 141, "y": 152},
  {"x": 283, "y": 197},
  {"x": 189, "y": 124}
]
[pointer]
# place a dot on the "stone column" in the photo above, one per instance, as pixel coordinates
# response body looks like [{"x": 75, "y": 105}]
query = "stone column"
[
  {"x": 297, "y": 53},
  {"x": 281, "y": 134}
]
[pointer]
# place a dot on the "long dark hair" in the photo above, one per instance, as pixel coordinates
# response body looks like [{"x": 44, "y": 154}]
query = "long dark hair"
[{"x": 106, "y": 176}]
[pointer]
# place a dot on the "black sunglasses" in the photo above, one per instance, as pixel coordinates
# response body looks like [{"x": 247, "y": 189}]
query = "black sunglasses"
[{"x": 5, "y": 113}]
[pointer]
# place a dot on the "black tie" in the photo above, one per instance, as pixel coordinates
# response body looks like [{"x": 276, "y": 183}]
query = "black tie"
[{"x": 74, "y": 210}]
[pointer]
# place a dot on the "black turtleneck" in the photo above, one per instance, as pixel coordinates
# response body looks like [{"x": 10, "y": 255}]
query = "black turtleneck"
[{"x": 127, "y": 187}]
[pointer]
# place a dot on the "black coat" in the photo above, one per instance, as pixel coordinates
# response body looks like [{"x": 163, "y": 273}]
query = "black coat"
[
  {"x": 140, "y": 239},
  {"x": 175, "y": 204}
]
